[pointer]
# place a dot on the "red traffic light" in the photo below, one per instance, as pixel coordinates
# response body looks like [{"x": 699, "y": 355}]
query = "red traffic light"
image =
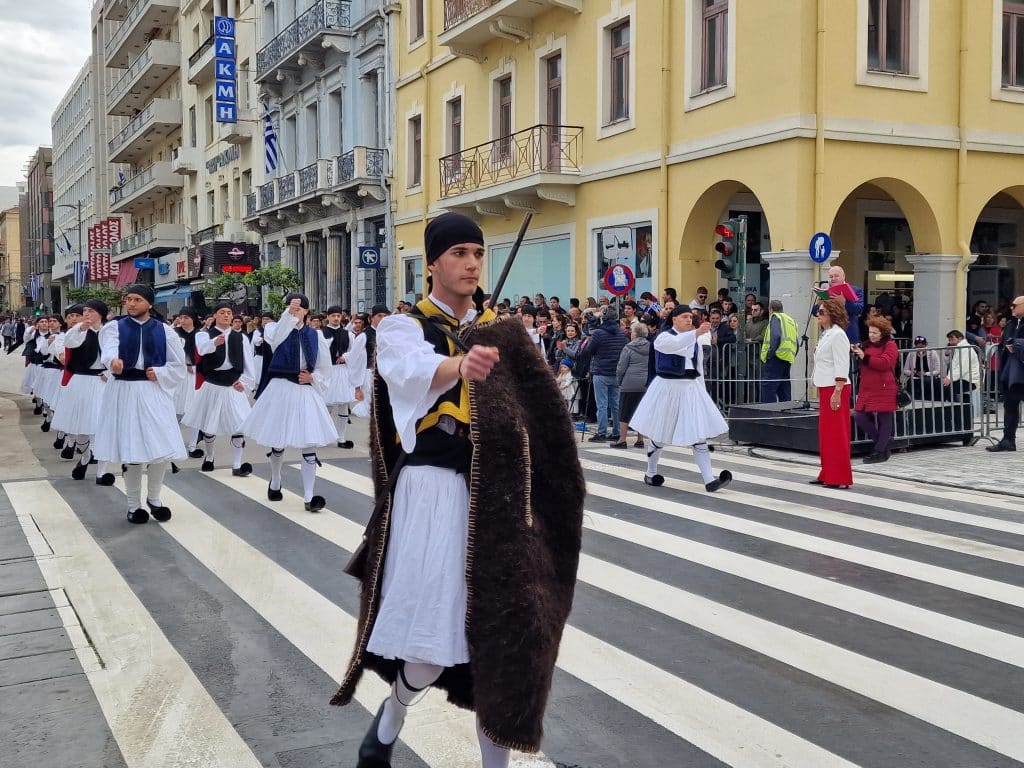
[{"x": 724, "y": 230}]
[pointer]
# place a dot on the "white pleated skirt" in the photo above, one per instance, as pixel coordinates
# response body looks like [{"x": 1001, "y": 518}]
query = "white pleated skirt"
[
  {"x": 422, "y": 616},
  {"x": 47, "y": 384},
  {"x": 217, "y": 410},
  {"x": 290, "y": 415},
  {"x": 138, "y": 426},
  {"x": 678, "y": 412},
  {"x": 28, "y": 379},
  {"x": 81, "y": 405},
  {"x": 185, "y": 393},
  {"x": 340, "y": 390}
]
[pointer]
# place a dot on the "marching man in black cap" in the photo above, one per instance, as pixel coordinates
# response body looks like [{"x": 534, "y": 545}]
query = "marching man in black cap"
[
  {"x": 186, "y": 325},
  {"x": 221, "y": 405},
  {"x": 262, "y": 350},
  {"x": 348, "y": 369},
  {"x": 140, "y": 427},
  {"x": 83, "y": 389},
  {"x": 290, "y": 412}
]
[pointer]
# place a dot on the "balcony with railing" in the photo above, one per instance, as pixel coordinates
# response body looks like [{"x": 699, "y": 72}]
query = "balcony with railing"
[
  {"x": 327, "y": 22},
  {"x": 159, "y": 119},
  {"x": 157, "y": 64},
  {"x": 137, "y": 28},
  {"x": 200, "y": 63},
  {"x": 469, "y": 24},
  {"x": 207, "y": 235},
  {"x": 145, "y": 188},
  {"x": 160, "y": 238},
  {"x": 542, "y": 162},
  {"x": 239, "y": 132},
  {"x": 186, "y": 160},
  {"x": 325, "y": 182}
]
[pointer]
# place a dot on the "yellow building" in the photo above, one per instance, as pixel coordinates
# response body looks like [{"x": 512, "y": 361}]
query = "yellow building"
[
  {"x": 632, "y": 128},
  {"x": 10, "y": 260}
]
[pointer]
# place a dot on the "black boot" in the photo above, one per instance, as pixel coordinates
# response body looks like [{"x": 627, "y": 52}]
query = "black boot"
[{"x": 373, "y": 754}]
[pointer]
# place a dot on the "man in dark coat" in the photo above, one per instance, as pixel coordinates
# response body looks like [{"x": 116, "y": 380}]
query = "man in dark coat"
[
  {"x": 469, "y": 522},
  {"x": 1011, "y": 375},
  {"x": 602, "y": 355}
]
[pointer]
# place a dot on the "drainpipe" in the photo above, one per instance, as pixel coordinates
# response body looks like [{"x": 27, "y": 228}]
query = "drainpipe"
[
  {"x": 390, "y": 143},
  {"x": 819, "y": 125},
  {"x": 666, "y": 126},
  {"x": 962, "y": 236}
]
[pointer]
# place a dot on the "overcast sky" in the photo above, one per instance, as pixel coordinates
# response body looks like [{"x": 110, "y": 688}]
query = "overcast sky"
[{"x": 43, "y": 45}]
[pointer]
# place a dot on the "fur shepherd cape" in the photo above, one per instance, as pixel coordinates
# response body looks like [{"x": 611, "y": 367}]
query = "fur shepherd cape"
[{"x": 526, "y": 492}]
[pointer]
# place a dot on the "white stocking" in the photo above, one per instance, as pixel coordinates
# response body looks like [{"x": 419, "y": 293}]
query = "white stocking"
[
  {"x": 342, "y": 421},
  {"x": 133, "y": 486},
  {"x": 412, "y": 678},
  {"x": 101, "y": 469},
  {"x": 309, "y": 462},
  {"x": 653, "y": 457},
  {"x": 237, "y": 447},
  {"x": 492, "y": 756},
  {"x": 208, "y": 445},
  {"x": 276, "y": 462},
  {"x": 702, "y": 456},
  {"x": 193, "y": 438},
  {"x": 82, "y": 449},
  {"x": 155, "y": 482}
]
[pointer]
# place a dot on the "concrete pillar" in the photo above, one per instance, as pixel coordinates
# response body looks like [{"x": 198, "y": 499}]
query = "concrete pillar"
[
  {"x": 935, "y": 299},
  {"x": 792, "y": 277},
  {"x": 333, "y": 291}
]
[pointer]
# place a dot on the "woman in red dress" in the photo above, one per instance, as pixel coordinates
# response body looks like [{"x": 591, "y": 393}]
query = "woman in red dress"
[
  {"x": 831, "y": 375},
  {"x": 876, "y": 396}
]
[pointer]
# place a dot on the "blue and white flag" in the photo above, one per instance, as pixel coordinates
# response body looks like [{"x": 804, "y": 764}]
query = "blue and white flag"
[
  {"x": 33, "y": 287},
  {"x": 270, "y": 148},
  {"x": 81, "y": 275},
  {"x": 67, "y": 244}
]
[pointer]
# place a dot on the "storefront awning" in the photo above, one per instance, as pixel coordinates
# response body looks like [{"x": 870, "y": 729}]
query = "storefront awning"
[
  {"x": 174, "y": 292},
  {"x": 127, "y": 275}
]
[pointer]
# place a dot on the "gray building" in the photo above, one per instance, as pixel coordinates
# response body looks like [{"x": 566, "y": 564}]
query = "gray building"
[{"x": 37, "y": 228}]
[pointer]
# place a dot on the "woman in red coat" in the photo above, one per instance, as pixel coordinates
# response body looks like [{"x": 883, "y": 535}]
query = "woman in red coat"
[{"x": 876, "y": 396}]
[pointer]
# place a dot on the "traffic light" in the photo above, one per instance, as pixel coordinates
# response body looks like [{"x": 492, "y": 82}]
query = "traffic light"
[
  {"x": 732, "y": 249},
  {"x": 39, "y": 312}
]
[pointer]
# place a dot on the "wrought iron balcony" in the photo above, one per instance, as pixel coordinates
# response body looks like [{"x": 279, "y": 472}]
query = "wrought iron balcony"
[
  {"x": 543, "y": 154},
  {"x": 457, "y": 11},
  {"x": 250, "y": 204},
  {"x": 200, "y": 63},
  {"x": 324, "y": 17},
  {"x": 137, "y": 27},
  {"x": 144, "y": 76},
  {"x": 361, "y": 163},
  {"x": 207, "y": 235},
  {"x": 469, "y": 24}
]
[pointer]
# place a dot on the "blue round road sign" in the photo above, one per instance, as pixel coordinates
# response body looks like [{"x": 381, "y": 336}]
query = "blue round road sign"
[
  {"x": 820, "y": 248},
  {"x": 619, "y": 279}
]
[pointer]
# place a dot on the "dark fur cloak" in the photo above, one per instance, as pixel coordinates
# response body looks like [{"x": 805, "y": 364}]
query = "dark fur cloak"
[{"x": 525, "y": 525}]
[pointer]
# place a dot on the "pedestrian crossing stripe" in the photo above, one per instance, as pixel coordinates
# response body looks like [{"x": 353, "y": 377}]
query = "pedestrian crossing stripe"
[{"x": 724, "y": 727}]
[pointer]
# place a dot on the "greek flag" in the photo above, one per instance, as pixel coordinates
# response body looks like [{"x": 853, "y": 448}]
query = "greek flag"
[
  {"x": 270, "y": 150},
  {"x": 67, "y": 244},
  {"x": 81, "y": 273},
  {"x": 33, "y": 287}
]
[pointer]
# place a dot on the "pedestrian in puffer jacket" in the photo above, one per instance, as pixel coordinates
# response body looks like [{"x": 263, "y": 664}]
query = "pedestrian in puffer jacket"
[
  {"x": 602, "y": 352},
  {"x": 631, "y": 376}
]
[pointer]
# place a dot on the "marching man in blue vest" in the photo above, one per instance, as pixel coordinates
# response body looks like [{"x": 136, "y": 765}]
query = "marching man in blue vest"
[
  {"x": 291, "y": 412},
  {"x": 221, "y": 405},
  {"x": 140, "y": 427},
  {"x": 677, "y": 409}
]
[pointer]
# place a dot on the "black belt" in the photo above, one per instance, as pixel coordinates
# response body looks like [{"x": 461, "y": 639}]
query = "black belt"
[
  {"x": 292, "y": 377},
  {"x": 131, "y": 374},
  {"x": 89, "y": 372},
  {"x": 53, "y": 366}
]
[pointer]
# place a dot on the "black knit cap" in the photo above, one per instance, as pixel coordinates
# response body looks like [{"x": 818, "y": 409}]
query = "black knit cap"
[
  {"x": 379, "y": 309},
  {"x": 74, "y": 309},
  {"x": 145, "y": 291},
  {"x": 189, "y": 312},
  {"x": 334, "y": 309},
  {"x": 303, "y": 299},
  {"x": 267, "y": 313},
  {"x": 222, "y": 305},
  {"x": 98, "y": 306},
  {"x": 681, "y": 309},
  {"x": 447, "y": 230}
]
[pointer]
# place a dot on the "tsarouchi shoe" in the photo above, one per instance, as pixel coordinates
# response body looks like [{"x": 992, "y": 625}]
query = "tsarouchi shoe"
[{"x": 316, "y": 504}]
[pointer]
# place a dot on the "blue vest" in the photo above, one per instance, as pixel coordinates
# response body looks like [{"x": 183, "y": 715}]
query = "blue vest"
[
  {"x": 670, "y": 366},
  {"x": 150, "y": 335},
  {"x": 286, "y": 356}
]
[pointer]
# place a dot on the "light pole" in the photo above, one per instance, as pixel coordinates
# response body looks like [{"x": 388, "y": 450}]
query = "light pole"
[{"x": 78, "y": 229}]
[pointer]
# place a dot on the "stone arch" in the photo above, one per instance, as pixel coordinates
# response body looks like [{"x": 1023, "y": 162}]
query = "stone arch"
[
  {"x": 924, "y": 225},
  {"x": 696, "y": 246}
]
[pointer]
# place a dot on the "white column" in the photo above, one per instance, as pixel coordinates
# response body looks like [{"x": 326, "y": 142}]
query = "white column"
[
  {"x": 333, "y": 267},
  {"x": 792, "y": 277},
  {"x": 935, "y": 301}
]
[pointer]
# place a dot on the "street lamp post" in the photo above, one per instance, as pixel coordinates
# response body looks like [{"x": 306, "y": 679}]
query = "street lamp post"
[{"x": 77, "y": 207}]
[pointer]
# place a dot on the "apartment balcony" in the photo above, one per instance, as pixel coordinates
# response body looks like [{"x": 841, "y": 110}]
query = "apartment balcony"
[
  {"x": 518, "y": 171},
  {"x": 160, "y": 238},
  {"x": 186, "y": 161},
  {"x": 145, "y": 188},
  {"x": 326, "y": 24},
  {"x": 200, "y": 63},
  {"x": 342, "y": 183},
  {"x": 240, "y": 132},
  {"x": 135, "y": 88},
  {"x": 156, "y": 122},
  {"x": 143, "y": 19},
  {"x": 115, "y": 10},
  {"x": 469, "y": 24}
]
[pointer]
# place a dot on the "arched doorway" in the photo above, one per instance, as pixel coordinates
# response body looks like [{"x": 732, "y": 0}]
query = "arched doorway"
[{"x": 997, "y": 275}]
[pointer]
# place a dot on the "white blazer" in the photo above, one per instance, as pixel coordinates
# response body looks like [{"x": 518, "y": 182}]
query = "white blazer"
[{"x": 831, "y": 358}]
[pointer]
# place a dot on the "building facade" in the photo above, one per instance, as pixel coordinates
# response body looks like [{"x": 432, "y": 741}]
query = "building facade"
[
  {"x": 631, "y": 129},
  {"x": 36, "y": 220},
  {"x": 323, "y": 76},
  {"x": 11, "y": 296}
]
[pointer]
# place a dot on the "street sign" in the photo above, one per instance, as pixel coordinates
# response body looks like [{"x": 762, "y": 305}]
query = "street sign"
[
  {"x": 143, "y": 263},
  {"x": 369, "y": 257},
  {"x": 619, "y": 279},
  {"x": 820, "y": 248},
  {"x": 226, "y": 82}
]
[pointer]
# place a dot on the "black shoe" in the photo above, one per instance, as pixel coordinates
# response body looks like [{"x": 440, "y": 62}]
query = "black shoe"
[
  {"x": 174, "y": 468},
  {"x": 373, "y": 754},
  {"x": 274, "y": 495},
  {"x": 37, "y": 411},
  {"x": 207, "y": 466},
  {"x": 876, "y": 458},
  {"x": 45, "y": 426},
  {"x": 620, "y": 444},
  {"x": 78, "y": 473},
  {"x": 1002, "y": 445},
  {"x": 243, "y": 471},
  {"x": 816, "y": 482},
  {"x": 58, "y": 443},
  {"x": 598, "y": 439},
  {"x": 316, "y": 504},
  {"x": 160, "y": 513},
  {"x": 68, "y": 452},
  {"x": 346, "y": 444},
  {"x": 656, "y": 480},
  {"x": 615, "y": 438},
  {"x": 138, "y": 516},
  {"x": 196, "y": 453},
  {"x": 105, "y": 479},
  {"x": 724, "y": 478},
  {"x": 639, "y": 443}
]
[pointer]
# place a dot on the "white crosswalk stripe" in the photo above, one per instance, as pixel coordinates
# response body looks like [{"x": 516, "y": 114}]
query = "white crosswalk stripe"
[{"x": 912, "y": 580}]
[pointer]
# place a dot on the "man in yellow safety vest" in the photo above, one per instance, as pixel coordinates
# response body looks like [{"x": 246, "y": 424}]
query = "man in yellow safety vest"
[{"x": 778, "y": 351}]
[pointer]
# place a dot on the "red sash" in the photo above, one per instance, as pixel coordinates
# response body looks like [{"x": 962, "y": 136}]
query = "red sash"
[
  {"x": 67, "y": 369},
  {"x": 200, "y": 379}
]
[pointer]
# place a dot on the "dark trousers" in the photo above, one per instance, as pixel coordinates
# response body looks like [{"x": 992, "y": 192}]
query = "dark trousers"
[
  {"x": 1012, "y": 398},
  {"x": 960, "y": 390},
  {"x": 877, "y": 426},
  {"x": 775, "y": 384},
  {"x": 925, "y": 387}
]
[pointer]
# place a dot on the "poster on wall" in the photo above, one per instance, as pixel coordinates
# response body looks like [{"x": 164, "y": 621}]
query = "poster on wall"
[{"x": 632, "y": 246}]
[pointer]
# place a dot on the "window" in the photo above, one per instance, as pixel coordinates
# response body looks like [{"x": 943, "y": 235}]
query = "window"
[
  {"x": 714, "y": 43},
  {"x": 192, "y": 126},
  {"x": 210, "y": 125},
  {"x": 619, "y": 83},
  {"x": 211, "y": 208},
  {"x": 455, "y": 126},
  {"x": 889, "y": 36},
  {"x": 553, "y": 111},
  {"x": 415, "y": 21},
  {"x": 1013, "y": 45},
  {"x": 225, "y": 203},
  {"x": 503, "y": 118},
  {"x": 415, "y": 151}
]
